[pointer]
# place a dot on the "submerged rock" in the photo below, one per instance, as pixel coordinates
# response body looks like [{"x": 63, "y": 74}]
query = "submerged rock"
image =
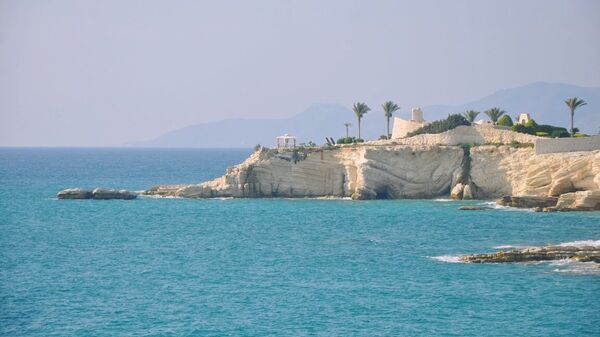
[
  {"x": 473, "y": 208},
  {"x": 532, "y": 254},
  {"x": 98, "y": 193},
  {"x": 527, "y": 201},
  {"x": 74, "y": 193}
]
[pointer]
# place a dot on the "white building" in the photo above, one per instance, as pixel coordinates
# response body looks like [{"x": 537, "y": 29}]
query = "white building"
[
  {"x": 402, "y": 126},
  {"x": 484, "y": 123},
  {"x": 523, "y": 118}
]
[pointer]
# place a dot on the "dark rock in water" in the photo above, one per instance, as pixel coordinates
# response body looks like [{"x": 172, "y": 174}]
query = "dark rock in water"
[
  {"x": 98, "y": 193},
  {"x": 473, "y": 208},
  {"x": 531, "y": 254},
  {"x": 527, "y": 201},
  {"x": 75, "y": 193},
  {"x": 106, "y": 194}
]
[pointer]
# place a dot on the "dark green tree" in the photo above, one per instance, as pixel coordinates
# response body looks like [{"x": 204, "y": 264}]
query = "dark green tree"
[
  {"x": 389, "y": 108},
  {"x": 470, "y": 115},
  {"x": 360, "y": 109},
  {"x": 573, "y": 103},
  {"x": 494, "y": 114}
]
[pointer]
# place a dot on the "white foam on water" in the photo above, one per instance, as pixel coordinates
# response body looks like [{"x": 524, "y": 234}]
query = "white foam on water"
[
  {"x": 221, "y": 198},
  {"x": 578, "y": 268},
  {"x": 581, "y": 243},
  {"x": 447, "y": 258},
  {"x": 154, "y": 196},
  {"x": 443, "y": 200},
  {"x": 506, "y": 247}
]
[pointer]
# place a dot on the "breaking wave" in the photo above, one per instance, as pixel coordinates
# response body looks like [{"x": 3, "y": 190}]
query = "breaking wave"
[
  {"x": 581, "y": 243},
  {"x": 447, "y": 258}
]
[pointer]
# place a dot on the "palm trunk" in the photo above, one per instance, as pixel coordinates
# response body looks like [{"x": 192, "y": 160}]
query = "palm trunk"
[
  {"x": 387, "y": 135},
  {"x": 358, "y": 127},
  {"x": 572, "y": 131},
  {"x": 346, "y": 132}
]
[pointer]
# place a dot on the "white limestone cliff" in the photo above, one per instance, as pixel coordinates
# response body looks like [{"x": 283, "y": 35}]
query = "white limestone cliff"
[
  {"x": 390, "y": 170},
  {"x": 361, "y": 172}
]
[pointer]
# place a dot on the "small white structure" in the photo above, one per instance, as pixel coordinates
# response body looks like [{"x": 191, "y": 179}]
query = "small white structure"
[
  {"x": 484, "y": 123},
  {"x": 285, "y": 142},
  {"x": 523, "y": 118},
  {"x": 402, "y": 126}
]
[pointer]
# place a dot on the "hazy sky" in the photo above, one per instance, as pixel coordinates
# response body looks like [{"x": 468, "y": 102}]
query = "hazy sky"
[{"x": 102, "y": 73}]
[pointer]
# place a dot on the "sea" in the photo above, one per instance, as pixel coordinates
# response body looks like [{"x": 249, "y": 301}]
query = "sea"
[{"x": 268, "y": 267}]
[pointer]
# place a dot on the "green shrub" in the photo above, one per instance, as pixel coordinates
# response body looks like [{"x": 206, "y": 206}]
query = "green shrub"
[
  {"x": 580, "y": 135},
  {"x": 257, "y": 147},
  {"x": 349, "y": 140},
  {"x": 560, "y": 134},
  {"x": 505, "y": 121},
  {"x": 441, "y": 125},
  {"x": 520, "y": 145},
  {"x": 543, "y": 130},
  {"x": 531, "y": 124}
]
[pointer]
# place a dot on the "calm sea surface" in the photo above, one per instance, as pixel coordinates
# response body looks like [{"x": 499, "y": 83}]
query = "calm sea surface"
[{"x": 175, "y": 267}]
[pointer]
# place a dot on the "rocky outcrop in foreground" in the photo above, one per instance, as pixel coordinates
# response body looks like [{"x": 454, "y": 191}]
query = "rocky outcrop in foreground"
[
  {"x": 574, "y": 201},
  {"x": 533, "y": 254},
  {"x": 98, "y": 194}
]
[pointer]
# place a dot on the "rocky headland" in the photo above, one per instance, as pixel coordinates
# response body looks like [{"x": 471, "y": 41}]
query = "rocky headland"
[
  {"x": 463, "y": 163},
  {"x": 412, "y": 168}
]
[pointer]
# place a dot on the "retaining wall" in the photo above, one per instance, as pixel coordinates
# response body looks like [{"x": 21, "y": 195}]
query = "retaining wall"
[{"x": 554, "y": 145}]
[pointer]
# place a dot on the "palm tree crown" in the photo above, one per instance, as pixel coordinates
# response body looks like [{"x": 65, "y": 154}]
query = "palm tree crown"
[
  {"x": 470, "y": 115},
  {"x": 347, "y": 125},
  {"x": 389, "y": 108},
  {"x": 360, "y": 109},
  {"x": 573, "y": 103},
  {"x": 494, "y": 114}
]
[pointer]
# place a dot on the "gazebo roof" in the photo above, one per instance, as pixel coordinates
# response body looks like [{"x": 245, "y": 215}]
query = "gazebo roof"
[{"x": 285, "y": 136}]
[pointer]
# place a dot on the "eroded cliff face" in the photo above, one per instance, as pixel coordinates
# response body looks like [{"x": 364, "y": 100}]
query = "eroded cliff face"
[
  {"x": 361, "y": 172},
  {"x": 505, "y": 170},
  {"x": 401, "y": 171}
]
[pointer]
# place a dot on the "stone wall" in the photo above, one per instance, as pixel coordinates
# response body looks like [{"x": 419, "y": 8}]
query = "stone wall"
[
  {"x": 402, "y": 127},
  {"x": 554, "y": 145}
]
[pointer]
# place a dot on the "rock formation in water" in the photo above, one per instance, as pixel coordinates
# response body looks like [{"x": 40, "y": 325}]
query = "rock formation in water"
[
  {"x": 532, "y": 254},
  {"x": 98, "y": 193}
]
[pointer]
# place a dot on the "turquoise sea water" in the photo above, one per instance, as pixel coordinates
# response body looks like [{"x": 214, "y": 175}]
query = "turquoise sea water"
[{"x": 175, "y": 267}]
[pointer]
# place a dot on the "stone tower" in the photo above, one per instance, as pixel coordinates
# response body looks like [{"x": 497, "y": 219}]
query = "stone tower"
[{"x": 417, "y": 115}]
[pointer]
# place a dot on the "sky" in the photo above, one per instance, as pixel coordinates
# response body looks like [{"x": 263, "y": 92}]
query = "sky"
[{"x": 104, "y": 73}]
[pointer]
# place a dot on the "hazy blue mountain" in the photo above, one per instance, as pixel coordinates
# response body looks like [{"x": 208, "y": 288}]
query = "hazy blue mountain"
[{"x": 543, "y": 101}]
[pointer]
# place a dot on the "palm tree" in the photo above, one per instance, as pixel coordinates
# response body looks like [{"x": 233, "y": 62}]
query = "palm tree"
[
  {"x": 388, "y": 108},
  {"x": 347, "y": 125},
  {"x": 494, "y": 114},
  {"x": 574, "y": 103},
  {"x": 470, "y": 115},
  {"x": 360, "y": 109}
]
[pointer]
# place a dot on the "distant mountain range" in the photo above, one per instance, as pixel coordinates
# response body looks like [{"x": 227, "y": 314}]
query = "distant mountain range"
[{"x": 543, "y": 101}]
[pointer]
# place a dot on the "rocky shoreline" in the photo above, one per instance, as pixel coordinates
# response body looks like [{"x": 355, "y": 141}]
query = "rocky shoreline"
[
  {"x": 573, "y": 201},
  {"x": 536, "y": 254}
]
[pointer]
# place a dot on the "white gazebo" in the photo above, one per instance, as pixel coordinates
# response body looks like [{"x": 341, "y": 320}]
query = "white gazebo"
[{"x": 285, "y": 142}]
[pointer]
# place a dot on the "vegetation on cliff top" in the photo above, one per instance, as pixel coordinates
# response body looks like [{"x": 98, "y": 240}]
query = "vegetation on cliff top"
[{"x": 442, "y": 125}]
